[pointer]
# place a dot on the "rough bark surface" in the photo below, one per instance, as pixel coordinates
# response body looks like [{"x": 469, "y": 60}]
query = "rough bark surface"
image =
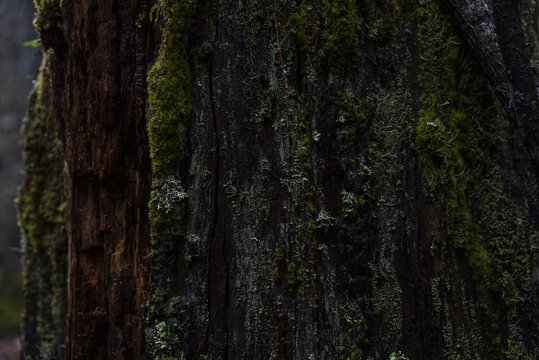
[
  {"x": 357, "y": 213},
  {"x": 380, "y": 207},
  {"x": 504, "y": 50},
  {"x": 101, "y": 54}
]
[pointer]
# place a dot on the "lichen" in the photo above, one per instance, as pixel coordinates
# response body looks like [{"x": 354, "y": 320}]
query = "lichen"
[
  {"x": 462, "y": 143},
  {"x": 330, "y": 266},
  {"x": 169, "y": 195},
  {"x": 169, "y": 117}
]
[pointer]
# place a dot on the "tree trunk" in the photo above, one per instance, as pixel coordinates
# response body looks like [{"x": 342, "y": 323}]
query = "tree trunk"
[{"x": 378, "y": 200}]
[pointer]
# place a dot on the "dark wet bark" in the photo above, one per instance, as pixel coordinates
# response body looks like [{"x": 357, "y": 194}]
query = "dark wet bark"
[
  {"x": 498, "y": 37},
  {"x": 101, "y": 54},
  {"x": 103, "y": 129}
]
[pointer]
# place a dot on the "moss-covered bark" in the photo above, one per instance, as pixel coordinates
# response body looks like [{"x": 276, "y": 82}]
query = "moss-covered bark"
[
  {"x": 170, "y": 110},
  {"x": 382, "y": 206},
  {"x": 362, "y": 212},
  {"x": 41, "y": 206}
]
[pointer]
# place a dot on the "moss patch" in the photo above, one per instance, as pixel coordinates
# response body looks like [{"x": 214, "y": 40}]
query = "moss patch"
[
  {"x": 41, "y": 207},
  {"x": 169, "y": 115}
]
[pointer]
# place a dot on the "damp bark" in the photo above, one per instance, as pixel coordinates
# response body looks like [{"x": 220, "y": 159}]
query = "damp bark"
[
  {"x": 101, "y": 51},
  {"x": 383, "y": 205}
]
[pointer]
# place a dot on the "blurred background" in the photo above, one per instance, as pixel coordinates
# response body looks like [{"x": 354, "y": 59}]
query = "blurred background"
[{"x": 19, "y": 62}]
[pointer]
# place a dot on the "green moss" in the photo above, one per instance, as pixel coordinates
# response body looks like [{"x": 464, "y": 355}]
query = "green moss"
[
  {"x": 169, "y": 114},
  {"x": 354, "y": 117},
  {"x": 298, "y": 23},
  {"x": 164, "y": 338},
  {"x": 388, "y": 117},
  {"x": 41, "y": 207},
  {"x": 169, "y": 103},
  {"x": 342, "y": 33},
  {"x": 356, "y": 330},
  {"x": 432, "y": 145},
  {"x": 371, "y": 124},
  {"x": 49, "y": 15},
  {"x": 461, "y": 139},
  {"x": 443, "y": 134}
]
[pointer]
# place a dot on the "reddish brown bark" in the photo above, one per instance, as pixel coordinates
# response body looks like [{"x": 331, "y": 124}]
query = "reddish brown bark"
[{"x": 100, "y": 84}]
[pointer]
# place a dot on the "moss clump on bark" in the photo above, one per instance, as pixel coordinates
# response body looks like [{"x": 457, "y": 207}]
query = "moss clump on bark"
[
  {"x": 342, "y": 33},
  {"x": 49, "y": 14},
  {"x": 48, "y": 22},
  {"x": 169, "y": 115},
  {"x": 41, "y": 205}
]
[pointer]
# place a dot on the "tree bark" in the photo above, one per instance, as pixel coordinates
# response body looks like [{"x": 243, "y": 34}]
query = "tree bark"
[
  {"x": 505, "y": 52},
  {"x": 383, "y": 204},
  {"x": 101, "y": 53}
]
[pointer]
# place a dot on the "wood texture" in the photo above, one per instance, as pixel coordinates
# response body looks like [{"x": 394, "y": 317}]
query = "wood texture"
[{"x": 101, "y": 55}]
